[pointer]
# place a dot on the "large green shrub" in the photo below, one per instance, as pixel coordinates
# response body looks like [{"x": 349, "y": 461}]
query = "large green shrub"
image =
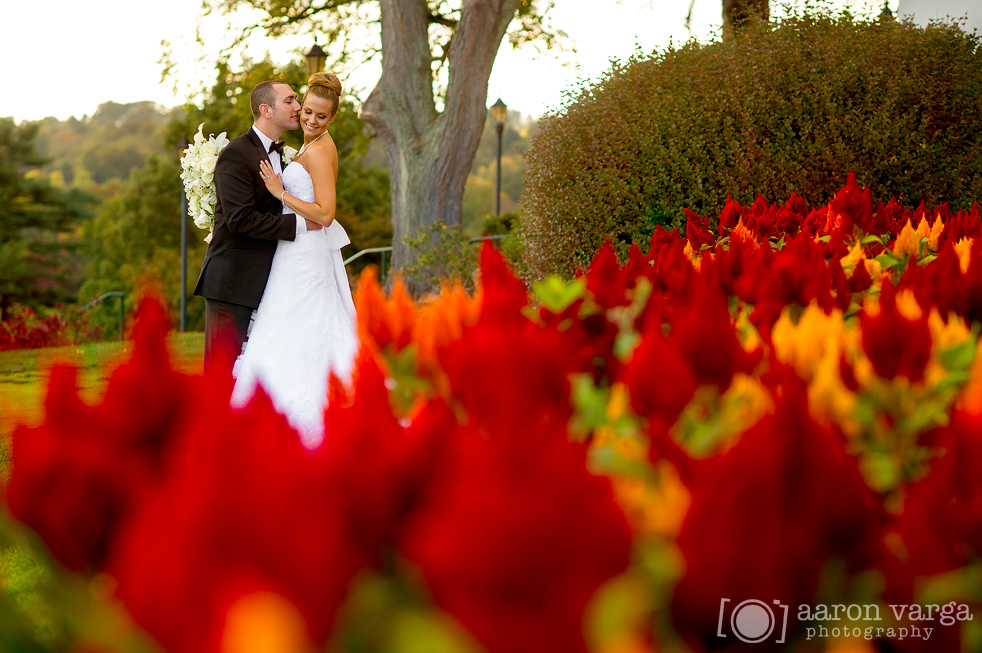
[{"x": 789, "y": 107}]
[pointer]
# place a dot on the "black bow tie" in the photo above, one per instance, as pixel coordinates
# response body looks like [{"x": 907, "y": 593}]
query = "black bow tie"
[{"x": 276, "y": 147}]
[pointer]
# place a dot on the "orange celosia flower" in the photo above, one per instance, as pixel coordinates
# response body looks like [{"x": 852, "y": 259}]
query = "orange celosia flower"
[
  {"x": 383, "y": 322},
  {"x": 908, "y": 243},
  {"x": 964, "y": 250},
  {"x": 931, "y": 232},
  {"x": 441, "y": 322}
]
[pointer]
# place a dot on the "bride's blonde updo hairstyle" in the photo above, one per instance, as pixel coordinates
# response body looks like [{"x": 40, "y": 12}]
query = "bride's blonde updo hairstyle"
[{"x": 326, "y": 86}]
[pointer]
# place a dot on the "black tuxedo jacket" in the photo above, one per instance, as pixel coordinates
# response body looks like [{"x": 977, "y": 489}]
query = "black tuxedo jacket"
[{"x": 248, "y": 222}]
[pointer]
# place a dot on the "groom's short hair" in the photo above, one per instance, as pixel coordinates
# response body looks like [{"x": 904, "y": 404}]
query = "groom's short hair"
[{"x": 263, "y": 94}]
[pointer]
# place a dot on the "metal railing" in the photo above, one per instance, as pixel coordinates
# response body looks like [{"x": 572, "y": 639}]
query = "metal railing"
[
  {"x": 122, "y": 308},
  {"x": 354, "y": 257}
]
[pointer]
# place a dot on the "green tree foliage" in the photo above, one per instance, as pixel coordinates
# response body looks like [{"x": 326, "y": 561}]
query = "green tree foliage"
[
  {"x": 429, "y": 104},
  {"x": 137, "y": 237},
  {"x": 789, "y": 107},
  {"x": 108, "y": 145},
  {"x": 479, "y": 192},
  {"x": 136, "y": 234},
  {"x": 38, "y": 223}
]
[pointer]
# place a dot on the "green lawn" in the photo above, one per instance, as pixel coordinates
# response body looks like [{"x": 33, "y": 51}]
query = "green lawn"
[
  {"x": 23, "y": 372},
  {"x": 40, "y": 609}
]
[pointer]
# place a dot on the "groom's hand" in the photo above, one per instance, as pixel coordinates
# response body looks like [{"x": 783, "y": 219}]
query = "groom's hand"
[{"x": 313, "y": 226}]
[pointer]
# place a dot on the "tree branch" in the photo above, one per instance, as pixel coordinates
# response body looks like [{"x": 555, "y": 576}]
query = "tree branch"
[{"x": 436, "y": 19}]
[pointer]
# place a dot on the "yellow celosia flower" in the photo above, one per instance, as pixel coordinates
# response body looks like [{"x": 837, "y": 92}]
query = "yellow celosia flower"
[
  {"x": 693, "y": 255},
  {"x": 964, "y": 250},
  {"x": 908, "y": 243},
  {"x": 854, "y": 256},
  {"x": 802, "y": 345},
  {"x": 930, "y": 231},
  {"x": 741, "y": 233},
  {"x": 746, "y": 331},
  {"x": 654, "y": 507},
  {"x": 945, "y": 334},
  {"x": 814, "y": 348},
  {"x": 263, "y": 622},
  {"x": 907, "y": 305},
  {"x": 874, "y": 270}
]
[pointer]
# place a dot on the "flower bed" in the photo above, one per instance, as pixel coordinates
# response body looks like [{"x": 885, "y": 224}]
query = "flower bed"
[
  {"x": 770, "y": 433},
  {"x": 25, "y": 329}
]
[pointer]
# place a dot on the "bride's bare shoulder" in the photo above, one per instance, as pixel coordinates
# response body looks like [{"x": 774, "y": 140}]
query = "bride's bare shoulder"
[{"x": 322, "y": 153}]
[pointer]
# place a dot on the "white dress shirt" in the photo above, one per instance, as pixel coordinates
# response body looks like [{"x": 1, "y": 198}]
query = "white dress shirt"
[{"x": 274, "y": 159}]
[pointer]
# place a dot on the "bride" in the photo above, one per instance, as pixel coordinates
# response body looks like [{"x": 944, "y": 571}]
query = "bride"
[{"x": 305, "y": 324}]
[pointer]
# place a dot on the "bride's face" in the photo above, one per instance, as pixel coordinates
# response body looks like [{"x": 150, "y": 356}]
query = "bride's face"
[{"x": 315, "y": 115}]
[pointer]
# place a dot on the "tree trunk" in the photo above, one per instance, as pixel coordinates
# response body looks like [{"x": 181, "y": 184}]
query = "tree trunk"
[
  {"x": 430, "y": 153},
  {"x": 736, "y": 13}
]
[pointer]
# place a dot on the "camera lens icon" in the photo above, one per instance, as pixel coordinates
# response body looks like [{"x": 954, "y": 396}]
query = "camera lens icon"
[{"x": 753, "y": 621}]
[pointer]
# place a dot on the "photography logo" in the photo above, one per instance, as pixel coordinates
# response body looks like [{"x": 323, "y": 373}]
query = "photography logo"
[{"x": 753, "y": 621}]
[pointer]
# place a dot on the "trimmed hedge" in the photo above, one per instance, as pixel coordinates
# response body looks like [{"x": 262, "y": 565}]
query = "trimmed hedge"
[{"x": 789, "y": 107}]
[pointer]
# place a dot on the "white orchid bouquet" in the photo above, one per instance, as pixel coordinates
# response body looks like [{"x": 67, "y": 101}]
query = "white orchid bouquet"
[{"x": 198, "y": 174}]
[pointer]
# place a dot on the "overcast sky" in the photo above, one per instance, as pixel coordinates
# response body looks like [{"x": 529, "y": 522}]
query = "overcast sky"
[{"x": 66, "y": 57}]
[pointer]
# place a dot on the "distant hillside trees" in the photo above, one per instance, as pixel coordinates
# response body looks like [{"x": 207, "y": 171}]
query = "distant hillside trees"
[{"x": 38, "y": 225}]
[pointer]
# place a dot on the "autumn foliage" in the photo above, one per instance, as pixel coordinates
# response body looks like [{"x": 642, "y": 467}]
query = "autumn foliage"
[{"x": 784, "y": 408}]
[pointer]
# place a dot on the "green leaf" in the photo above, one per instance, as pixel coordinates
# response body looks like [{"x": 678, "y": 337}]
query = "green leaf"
[
  {"x": 625, "y": 343},
  {"x": 881, "y": 471},
  {"x": 959, "y": 356},
  {"x": 589, "y": 405},
  {"x": 556, "y": 295},
  {"x": 887, "y": 261}
]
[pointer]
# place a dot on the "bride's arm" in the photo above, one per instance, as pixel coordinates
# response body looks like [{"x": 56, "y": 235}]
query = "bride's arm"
[{"x": 322, "y": 165}]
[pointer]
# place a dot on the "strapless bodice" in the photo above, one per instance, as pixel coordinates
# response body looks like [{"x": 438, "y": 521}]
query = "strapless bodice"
[{"x": 297, "y": 182}]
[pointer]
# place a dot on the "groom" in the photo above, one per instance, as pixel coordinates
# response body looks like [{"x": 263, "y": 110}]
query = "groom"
[{"x": 248, "y": 222}]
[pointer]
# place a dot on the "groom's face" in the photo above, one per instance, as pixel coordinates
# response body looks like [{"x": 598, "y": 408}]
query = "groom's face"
[{"x": 285, "y": 109}]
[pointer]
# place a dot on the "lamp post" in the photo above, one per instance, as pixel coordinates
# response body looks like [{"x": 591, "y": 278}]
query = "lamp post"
[
  {"x": 499, "y": 110},
  {"x": 315, "y": 59},
  {"x": 184, "y": 246}
]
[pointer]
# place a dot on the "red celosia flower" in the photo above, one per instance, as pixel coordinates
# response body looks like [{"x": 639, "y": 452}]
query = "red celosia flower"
[
  {"x": 965, "y": 224},
  {"x": 942, "y": 517},
  {"x": 504, "y": 295},
  {"x": 246, "y": 510},
  {"x": 741, "y": 267},
  {"x": 672, "y": 272},
  {"x": 768, "y": 514},
  {"x": 731, "y": 214},
  {"x": 70, "y": 481},
  {"x": 894, "y": 344},
  {"x": 854, "y": 206},
  {"x": 516, "y": 538},
  {"x": 939, "y": 285},
  {"x": 76, "y": 476},
  {"x": 797, "y": 275},
  {"x": 698, "y": 231},
  {"x": 660, "y": 380},
  {"x": 381, "y": 465},
  {"x": 704, "y": 335},
  {"x": 506, "y": 371},
  {"x": 604, "y": 279}
]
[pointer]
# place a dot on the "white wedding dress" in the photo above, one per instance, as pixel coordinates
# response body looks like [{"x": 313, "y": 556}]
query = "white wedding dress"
[{"x": 305, "y": 324}]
